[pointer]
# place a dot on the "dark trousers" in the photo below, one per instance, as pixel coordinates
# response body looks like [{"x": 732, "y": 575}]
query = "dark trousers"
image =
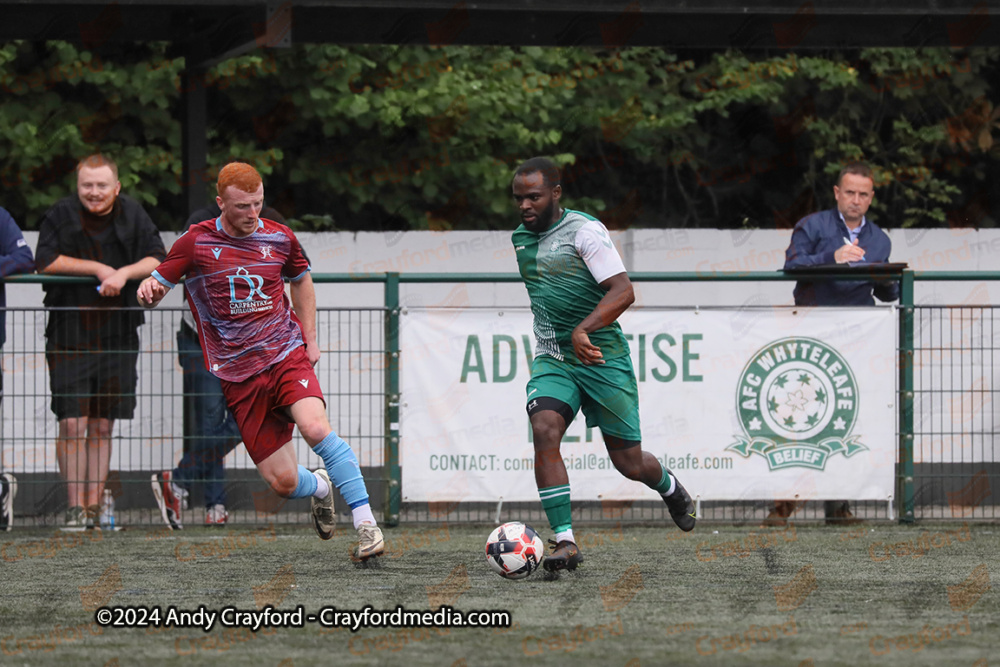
[{"x": 210, "y": 432}]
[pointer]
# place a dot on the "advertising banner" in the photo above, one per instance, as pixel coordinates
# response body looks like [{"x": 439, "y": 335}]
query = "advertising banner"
[{"x": 770, "y": 403}]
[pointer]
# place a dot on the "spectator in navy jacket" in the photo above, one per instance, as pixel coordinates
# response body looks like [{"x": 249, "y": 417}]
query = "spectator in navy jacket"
[
  {"x": 841, "y": 235},
  {"x": 15, "y": 257}
]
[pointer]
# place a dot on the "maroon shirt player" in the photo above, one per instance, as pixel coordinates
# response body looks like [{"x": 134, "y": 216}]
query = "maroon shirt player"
[{"x": 262, "y": 350}]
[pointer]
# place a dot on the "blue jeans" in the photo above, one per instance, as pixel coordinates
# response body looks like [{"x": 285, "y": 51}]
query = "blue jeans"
[{"x": 210, "y": 432}]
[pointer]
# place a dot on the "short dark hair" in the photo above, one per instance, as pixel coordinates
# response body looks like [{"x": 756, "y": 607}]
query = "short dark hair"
[
  {"x": 543, "y": 165},
  {"x": 857, "y": 169}
]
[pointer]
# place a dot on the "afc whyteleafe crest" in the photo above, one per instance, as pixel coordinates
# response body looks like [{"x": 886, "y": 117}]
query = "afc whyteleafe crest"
[{"x": 797, "y": 402}]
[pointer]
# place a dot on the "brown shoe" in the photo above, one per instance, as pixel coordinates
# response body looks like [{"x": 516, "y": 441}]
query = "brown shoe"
[
  {"x": 565, "y": 556},
  {"x": 843, "y": 517},
  {"x": 779, "y": 515}
]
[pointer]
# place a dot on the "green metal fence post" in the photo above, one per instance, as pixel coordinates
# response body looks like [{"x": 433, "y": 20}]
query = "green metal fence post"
[
  {"x": 906, "y": 402},
  {"x": 393, "y": 487}
]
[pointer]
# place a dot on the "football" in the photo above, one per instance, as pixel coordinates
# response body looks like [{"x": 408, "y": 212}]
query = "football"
[{"x": 514, "y": 550}]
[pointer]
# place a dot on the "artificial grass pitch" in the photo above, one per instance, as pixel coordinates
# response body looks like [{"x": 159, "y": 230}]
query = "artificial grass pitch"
[{"x": 723, "y": 595}]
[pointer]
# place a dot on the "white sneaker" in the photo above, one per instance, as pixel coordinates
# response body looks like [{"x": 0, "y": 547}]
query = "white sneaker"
[
  {"x": 182, "y": 495},
  {"x": 8, "y": 489},
  {"x": 370, "y": 543},
  {"x": 76, "y": 520},
  {"x": 322, "y": 509},
  {"x": 216, "y": 516}
]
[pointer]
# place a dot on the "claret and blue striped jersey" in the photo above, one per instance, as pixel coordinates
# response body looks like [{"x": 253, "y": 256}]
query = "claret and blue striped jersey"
[{"x": 236, "y": 293}]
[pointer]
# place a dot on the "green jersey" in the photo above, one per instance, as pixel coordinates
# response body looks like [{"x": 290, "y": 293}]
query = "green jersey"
[{"x": 562, "y": 268}]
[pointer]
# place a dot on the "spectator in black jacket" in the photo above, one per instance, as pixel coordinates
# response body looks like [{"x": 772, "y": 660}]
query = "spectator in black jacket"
[{"x": 92, "y": 339}]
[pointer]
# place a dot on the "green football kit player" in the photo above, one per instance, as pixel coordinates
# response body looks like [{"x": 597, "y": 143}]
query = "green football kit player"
[{"x": 578, "y": 288}]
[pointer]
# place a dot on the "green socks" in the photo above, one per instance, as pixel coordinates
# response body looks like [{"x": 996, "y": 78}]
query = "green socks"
[
  {"x": 666, "y": 485},
  {"x": 555, "y": 502}
]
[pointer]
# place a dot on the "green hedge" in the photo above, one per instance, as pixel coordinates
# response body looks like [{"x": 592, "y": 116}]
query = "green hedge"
[{"x": 411, "y": 137}]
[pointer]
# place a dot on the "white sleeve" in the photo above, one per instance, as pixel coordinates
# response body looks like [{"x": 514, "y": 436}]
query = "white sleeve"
[{"x": 596, "y": 249}]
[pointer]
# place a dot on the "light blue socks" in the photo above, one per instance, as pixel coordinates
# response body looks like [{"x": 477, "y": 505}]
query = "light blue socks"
[{"x": 342, "y": 465}]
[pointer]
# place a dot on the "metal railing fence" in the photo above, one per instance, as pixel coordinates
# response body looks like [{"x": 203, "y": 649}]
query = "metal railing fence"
[{"x": 947, "y": 374}]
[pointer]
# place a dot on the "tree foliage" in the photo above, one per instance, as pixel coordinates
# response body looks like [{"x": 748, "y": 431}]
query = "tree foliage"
[{"x": 412, "y": 137}]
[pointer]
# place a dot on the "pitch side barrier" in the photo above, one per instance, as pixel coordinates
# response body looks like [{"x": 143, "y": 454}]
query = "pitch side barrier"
[{"x": 943, "y": 403}]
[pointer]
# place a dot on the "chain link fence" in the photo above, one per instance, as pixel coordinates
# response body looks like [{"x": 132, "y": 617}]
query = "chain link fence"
[{"x": 351, "y": 373}]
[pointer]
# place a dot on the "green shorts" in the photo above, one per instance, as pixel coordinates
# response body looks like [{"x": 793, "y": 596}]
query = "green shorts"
[{"x": 607, "y": 393}]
